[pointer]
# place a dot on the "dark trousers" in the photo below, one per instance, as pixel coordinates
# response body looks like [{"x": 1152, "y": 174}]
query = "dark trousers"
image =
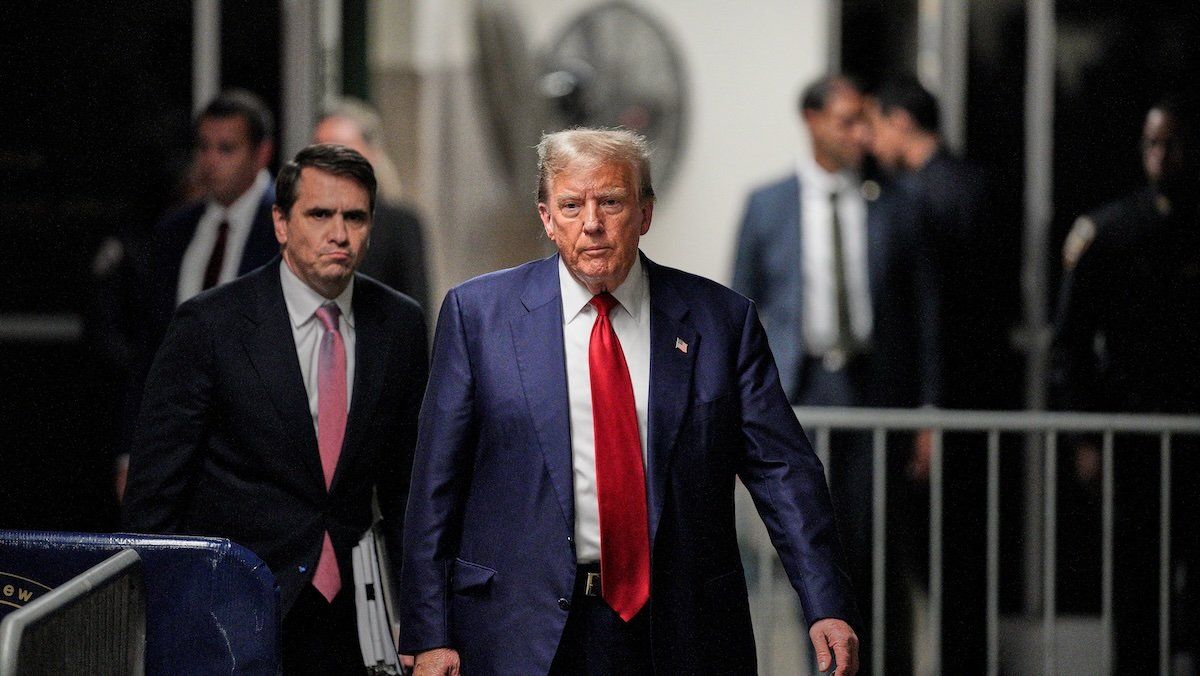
[
  {"x": 597, "y": 641},
  {"x": 321, "y": 637},
  {"x": 850, "y": 486}
]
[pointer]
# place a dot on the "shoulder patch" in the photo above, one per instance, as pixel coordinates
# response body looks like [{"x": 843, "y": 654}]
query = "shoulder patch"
[{"x": 1083, "y": 232}]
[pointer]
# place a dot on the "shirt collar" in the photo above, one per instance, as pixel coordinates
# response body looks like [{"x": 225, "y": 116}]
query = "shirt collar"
[
  {"x": 632, "y": 294},
  {"x": 824, "y": 182},
  {"x": 302, "y": 300},
  {"x": 240, "y": 215}
]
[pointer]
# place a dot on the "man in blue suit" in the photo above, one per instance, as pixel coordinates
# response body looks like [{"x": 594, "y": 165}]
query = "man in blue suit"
[
  {"x": 839, "y": 269},
  {"x": 571, "y": 508}
]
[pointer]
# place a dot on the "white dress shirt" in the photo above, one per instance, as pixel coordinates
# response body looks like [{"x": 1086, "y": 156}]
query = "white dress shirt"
[
  {"x": 631, "y": 321},
  {"x": 302, "y": 303},
  {"x": 816, "y": 226},
  {"x": 240, "y": 216}
]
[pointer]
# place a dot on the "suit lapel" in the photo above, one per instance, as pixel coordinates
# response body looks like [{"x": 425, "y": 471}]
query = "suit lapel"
[
  {"x": 371, "y": 353},
  {"x": 538, "y": 342},
  {"x": 271, "y": 348},
  {"x": 670, "y": 382}
]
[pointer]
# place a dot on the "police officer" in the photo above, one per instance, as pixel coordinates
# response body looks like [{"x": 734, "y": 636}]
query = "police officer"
[{"x": 1126, "y": 340}]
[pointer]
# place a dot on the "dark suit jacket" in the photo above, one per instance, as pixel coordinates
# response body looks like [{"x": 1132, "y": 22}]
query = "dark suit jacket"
[
  {"x": 225, "y": 444},
  {"x": 396, "y": 255},
  {"x": 976, "y": 261},
  {"x": 157, "y": 285},
  {"x": 489, "y": 557},
  {"x": 904, "y": 365},
  {"x": 172, "y": 236}
]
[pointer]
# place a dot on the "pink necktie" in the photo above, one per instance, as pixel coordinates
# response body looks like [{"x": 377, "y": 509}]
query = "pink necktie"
[
  {"x": 620, "y": 476},
  {"x": 331, "y": 428}
]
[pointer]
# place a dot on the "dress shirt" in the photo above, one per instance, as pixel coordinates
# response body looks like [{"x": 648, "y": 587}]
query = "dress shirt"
[
  {"x": 302, "y": 303},
  {"x": 631, "y": 321},
  {"x": 240, "y": 216},
  {"x": 816, "y": 218}
]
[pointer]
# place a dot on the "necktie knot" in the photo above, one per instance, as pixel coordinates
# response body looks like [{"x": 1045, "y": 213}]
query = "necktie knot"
[
  {"x": 603, "y": 302},
  {"x": 328, "y": 314}
]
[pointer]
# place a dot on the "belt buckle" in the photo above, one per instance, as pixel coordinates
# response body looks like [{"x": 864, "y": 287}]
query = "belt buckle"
[
  {"x": 834, "y": 360},
  {"x": 591, "y": 586}
]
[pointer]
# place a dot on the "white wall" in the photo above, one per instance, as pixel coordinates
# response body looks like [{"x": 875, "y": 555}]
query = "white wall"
[{"x": 745, "y": 64}]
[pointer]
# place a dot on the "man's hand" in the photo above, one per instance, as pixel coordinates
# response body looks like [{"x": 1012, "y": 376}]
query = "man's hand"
[
  {"x": 922, "y": 457},
  {"x": 831, "y": 634},
  {"x": 1088, "y": 465},
  {"x": 437, "y": 662}
]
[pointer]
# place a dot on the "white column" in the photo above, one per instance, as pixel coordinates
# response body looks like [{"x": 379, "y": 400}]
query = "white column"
[
  {"x": 206, "y": 52},
  {"x": 311, "y": 67}
]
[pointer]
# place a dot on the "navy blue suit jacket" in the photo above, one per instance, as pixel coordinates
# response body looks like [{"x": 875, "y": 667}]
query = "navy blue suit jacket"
[
  {"x": 905, "y": 362},
  {"x": 489, "y": 558},
  {"x": 225, "y": 445}
]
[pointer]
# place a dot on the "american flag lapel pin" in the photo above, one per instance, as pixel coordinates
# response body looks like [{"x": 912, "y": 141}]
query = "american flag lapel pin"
[{"x": 680, "y": 345}]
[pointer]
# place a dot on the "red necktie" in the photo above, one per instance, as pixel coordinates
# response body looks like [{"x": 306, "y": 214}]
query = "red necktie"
[
  {"x": 212, "y": 273},
  {"x": 331, "y": 428},
  {"x": 620, "y": 477}
]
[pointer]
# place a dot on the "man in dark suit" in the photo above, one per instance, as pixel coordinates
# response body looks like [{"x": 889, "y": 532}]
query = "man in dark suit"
[
  {"x": 572, "y": 500},
  {"x": 397, "y": 253},
  {"x": 837, "y": 267},
  {"x": 279, "y": 402},
  {"x": 974, "y": 271},
  {"x": 968, "y": 252},
  {"x": 229, "y": 232},
  {"x": 210, "y": 241}
]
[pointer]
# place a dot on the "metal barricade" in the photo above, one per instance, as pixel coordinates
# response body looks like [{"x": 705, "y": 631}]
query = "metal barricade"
[
  {"x": 1040, "y": 432},
  {"x": 95, "y": 623}
]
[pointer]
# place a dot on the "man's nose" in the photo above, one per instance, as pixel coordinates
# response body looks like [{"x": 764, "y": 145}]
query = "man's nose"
[
  {"x": 592, "y": 217},
  {"x": 338, "y": 232}
]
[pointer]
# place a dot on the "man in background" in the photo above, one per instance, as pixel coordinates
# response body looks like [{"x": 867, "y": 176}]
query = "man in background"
[
  {"x": 217, "y": 238},
  {"x": 843, "y": 281},
  {"x": 279, "y": 403},
  {"x": 1126, "y": 341},
  {"x": 949, "y": 200},
  {"x": 397, "y": 253}
]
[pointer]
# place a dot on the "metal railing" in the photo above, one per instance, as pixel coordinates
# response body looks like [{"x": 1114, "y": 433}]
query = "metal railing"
[
  {"x": 95, "y": 623},
  {"x": 1040, "y": 431}
]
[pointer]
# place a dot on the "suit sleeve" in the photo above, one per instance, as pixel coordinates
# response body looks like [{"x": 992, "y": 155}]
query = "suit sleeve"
[
  {"x": 747, "y": 261},
  {"x": 787, "y": 482},
  {"x": 446, "y": 438},
  {"x": 172, "y": 427}
]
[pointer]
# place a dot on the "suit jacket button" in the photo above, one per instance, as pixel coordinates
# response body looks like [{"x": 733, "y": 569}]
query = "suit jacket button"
[{"x": 564, "y": 604}]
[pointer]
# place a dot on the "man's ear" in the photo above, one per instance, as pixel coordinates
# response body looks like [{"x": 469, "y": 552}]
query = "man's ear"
[
  {"x": 280, "y": 220},
  {"x": 263, "y": 153},
  {"x": 647, "y": 214},
  {"x": 547, "y": 222}
]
